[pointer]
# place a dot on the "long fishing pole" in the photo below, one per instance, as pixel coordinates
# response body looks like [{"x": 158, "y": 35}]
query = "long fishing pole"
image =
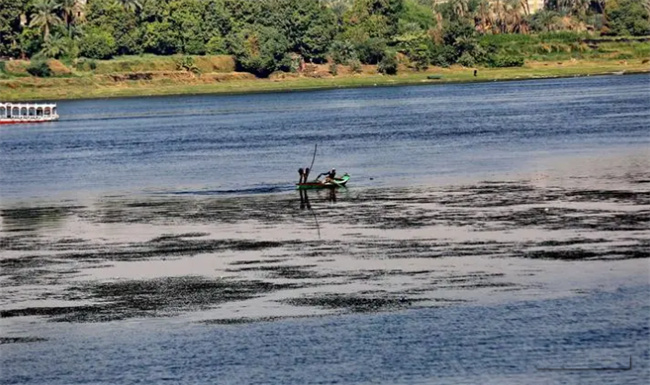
[{"x": 311, "y": 166}]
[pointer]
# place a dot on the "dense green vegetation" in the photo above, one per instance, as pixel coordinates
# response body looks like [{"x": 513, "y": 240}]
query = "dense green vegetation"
[{"x": 269, "y": 35}]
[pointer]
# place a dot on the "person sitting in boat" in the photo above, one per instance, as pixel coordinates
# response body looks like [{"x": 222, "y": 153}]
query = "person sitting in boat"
[{"x": 329, "y": 176}]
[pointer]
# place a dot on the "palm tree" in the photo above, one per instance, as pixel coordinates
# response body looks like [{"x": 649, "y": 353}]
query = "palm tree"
[
  {"x": 500, "y": 11},
  {"x": 338, "y": 6},
  {"x": 54, "y": 46},
  {"x": 460, "y": 8},
  {"x": 516, "y": 12},
  {"x": 45, "y": 16},
  {"x": 548, "y": 19},
  {"x": 580, "y": 7},
  {"x": 526, "y": 8},
  {"x": 130, "y": 5},
  {"x": 498, "y": 20},
  {"x": 484, "y": 16},
  {"x": 510, "y": 16}
]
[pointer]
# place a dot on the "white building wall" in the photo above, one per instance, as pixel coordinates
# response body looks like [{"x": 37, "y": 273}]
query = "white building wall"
[{"x": 535, "y": 5}]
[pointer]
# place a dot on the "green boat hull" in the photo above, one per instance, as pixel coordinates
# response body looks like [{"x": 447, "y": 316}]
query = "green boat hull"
[{"x": 316, "y": 184}]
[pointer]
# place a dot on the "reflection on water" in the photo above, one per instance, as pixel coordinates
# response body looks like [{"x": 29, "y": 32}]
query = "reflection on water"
[
  {"x": 329, "y": 193},
  {"x": 22, "y": 218}
]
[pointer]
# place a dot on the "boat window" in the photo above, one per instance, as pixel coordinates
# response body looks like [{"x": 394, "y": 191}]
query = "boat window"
[
  {"x": 32, "y": 111},
  {"x": 3, "y": 111},
  {"x": 47, "y": 111},
  {"x": 53, "y": 110},
  {"x": 39, "y": 111},
  {"x": 23, "y": 111},
  {"x": 15, "y": 112}
]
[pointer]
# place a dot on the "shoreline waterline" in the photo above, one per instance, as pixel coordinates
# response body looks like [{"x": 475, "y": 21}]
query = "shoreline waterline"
[{"x": 303, "y": 84}]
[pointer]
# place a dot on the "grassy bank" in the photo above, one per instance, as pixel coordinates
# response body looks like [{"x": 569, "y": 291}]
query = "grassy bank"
[
  {"x": 183, "y": 82},
  {"x": 547, "y": 55}
]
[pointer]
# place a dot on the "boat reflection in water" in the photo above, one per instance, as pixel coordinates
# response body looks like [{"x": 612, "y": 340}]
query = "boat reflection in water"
[
  {"x": 305, "y": 204},
  {"x": 304, "y": 200},
  {"x": 331, "y": 197}
]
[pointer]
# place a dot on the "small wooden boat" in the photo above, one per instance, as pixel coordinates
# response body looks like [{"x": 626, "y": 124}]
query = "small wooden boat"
[
  {"x": 316, "y": 184},
  {"x": 12, "y": 113}
]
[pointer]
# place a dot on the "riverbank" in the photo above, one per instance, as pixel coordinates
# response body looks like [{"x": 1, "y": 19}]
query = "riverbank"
[{"x": 158, "y": 83}]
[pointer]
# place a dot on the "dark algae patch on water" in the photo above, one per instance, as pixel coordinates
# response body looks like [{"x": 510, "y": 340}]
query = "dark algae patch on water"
[
  {"x": 355, "y": 303},
  {"x": 20, "y": 340},
  {"x": 370, "y": 250},
  {"x": 148, "y": 298},
  {"x": 30, "y": 218}
]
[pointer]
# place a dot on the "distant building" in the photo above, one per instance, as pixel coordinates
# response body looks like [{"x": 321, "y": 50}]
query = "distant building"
[
  {"x": 535, "y": 5},
  {"x": 80, "y": 10}
]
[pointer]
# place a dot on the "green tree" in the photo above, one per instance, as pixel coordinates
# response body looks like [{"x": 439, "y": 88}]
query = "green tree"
[
  {"x": 217, "y": 18},
  {"x": 54, "y": 47},
  {"x": 342, "y": 51},
  {"x": 97, "y": 44},
  {"x": 45, "y": 16},
  {"x": 30, "y": 41},
  {"x": 151, "y": 10},
  {"x": 388, "y": 65},
  {"x": 216, "y": 46},
  {"x": 373, "y": 18},
  {"x": 123, "y": 24},
  {"x": 371, "y": 51},
  {"x": 545, "y": 21},
  {"x": 628, "y": 17},
  {"x": 315, "y": 43},
  {"x": 260, "y": 50},
  {"x": 308, "y": 25},
  {"x": 243, "y": 13},
  {"x": 10, "y": 27},
  {"x": 339, "y": 7},
  {"x": 186, "y": 23},
  {"x": 130, "y": 5},
  {"x": 160, "y": 38},
  {"x": 461, "y": 36},
  {"x": 418, "y": 13}
]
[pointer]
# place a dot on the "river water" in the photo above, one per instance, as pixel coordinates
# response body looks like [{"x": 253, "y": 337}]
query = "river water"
[
  {"x": 399, "y": 135},
  {"x": 490, "y": 233}
]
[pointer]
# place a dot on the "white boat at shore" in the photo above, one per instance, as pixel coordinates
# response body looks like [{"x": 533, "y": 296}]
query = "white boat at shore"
[{"x": 27, "y": 112}]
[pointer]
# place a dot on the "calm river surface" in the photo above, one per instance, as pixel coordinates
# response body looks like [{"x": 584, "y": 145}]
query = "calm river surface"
[
  {"x": 397, "y": 136},
  {"x": 491, "y": 233}
]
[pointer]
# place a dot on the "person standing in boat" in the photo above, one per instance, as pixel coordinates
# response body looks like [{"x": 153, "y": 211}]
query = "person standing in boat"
[
  {"x": 304, "y": 174},
  {"x": 301, "y": 172}
]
